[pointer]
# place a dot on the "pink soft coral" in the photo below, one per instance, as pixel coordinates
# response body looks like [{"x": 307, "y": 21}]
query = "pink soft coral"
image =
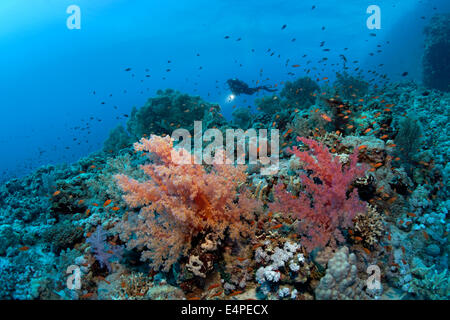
[
  {"x": 180, "y": 201},
  {"x": 325, "y": 208}
]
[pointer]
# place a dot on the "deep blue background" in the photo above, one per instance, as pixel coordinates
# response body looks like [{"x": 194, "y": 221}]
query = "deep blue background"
[{"x": 48, "y": 73}]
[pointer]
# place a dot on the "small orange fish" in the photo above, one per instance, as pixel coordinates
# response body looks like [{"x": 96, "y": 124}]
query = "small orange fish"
[
  {"x": 235, "y": 293},
  {"x": 377, "y": 165},
  {"x": 80, "y": 202},
  {"x": 362, "y": 147},
  {"x": 213, "y": 286},
  {"x": 411, "y": 214},
  {"x": 384, "y": 137},
  {"x": 56, "y": 193},
  {"x": 326, "y": 118},
  {"x": 425, "y": 234},
  {"x": 358, "y": 238},
  {"x": 87, "y": 295},
  {"x": 295, "y": 65},
  {"x": 367, "y": 251},
  {"x": 367, "y": 130},
  {"x": 278, "y": 226},
  {"x": 256, "y": 246},
  {"x": 24, "y": 248},
  {"x": 287, "y": 132},
  {"x": 95, "y": 204},
  {"x": 217, "y": 294},
  {"x": 103, "y": 279},
  {"x": 88, "y": 211},
  {"x": 115, "y": 208},
  {"x": 107, "y": 203},
  {"x": 392, "y": 200}
]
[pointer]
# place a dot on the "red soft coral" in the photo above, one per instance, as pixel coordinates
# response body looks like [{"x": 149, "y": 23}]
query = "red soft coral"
[
  {"x": 180, "y": 202},
  {"x": 325, "y": 208}
]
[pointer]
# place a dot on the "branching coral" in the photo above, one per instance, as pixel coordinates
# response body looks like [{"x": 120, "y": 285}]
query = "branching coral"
[
  {"x": 325, "y": 207},
  {"x": 182, "y": 201},
  {"x": 369, "y": 226}
]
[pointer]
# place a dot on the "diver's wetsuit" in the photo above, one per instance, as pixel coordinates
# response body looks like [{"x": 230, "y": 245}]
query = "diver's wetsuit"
[{"x": 238, "y": 87}]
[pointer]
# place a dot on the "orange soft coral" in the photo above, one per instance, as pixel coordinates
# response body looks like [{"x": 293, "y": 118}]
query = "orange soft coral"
[{"x": 181, "y": 201}]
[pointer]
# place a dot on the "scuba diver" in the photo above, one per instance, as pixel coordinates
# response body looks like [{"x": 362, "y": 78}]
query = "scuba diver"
[{"x": 238, "y": 87}]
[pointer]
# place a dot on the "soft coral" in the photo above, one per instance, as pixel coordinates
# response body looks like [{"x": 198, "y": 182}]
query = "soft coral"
[
  {"x": 326, "y": 207},
  {"x": 181, "y": 201}
]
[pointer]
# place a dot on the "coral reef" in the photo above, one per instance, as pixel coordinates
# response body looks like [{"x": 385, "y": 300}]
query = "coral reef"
[
  {"x": 349, "y": 87},
  {"x": 330, "y": 210},
  {"x": 180, "y": 202},
  {"x": 365, "y": 184},
  {"x": 437, "y": 51},
  {"x": 341, "y": 280},
  {"x": 170, "y": 110},
  {"x": 300, "y": 93}
]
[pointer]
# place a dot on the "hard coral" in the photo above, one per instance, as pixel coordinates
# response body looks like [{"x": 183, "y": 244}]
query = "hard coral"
[
  {"x": 369, "y": 226},
  {"x": 170, "y": 110},
  {"x": 341, "y": 280},
  {"x": 300, "y": 92},
  {"x": 325, "y": 207},
  {"x": 180, "y": 202}
]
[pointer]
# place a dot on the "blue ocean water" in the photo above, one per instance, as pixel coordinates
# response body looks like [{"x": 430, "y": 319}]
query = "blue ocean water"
[{"x": 49, "y": 73}]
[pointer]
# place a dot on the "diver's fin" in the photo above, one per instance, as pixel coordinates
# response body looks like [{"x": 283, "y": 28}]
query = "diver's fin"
[{"x": 267, "y": 89}]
